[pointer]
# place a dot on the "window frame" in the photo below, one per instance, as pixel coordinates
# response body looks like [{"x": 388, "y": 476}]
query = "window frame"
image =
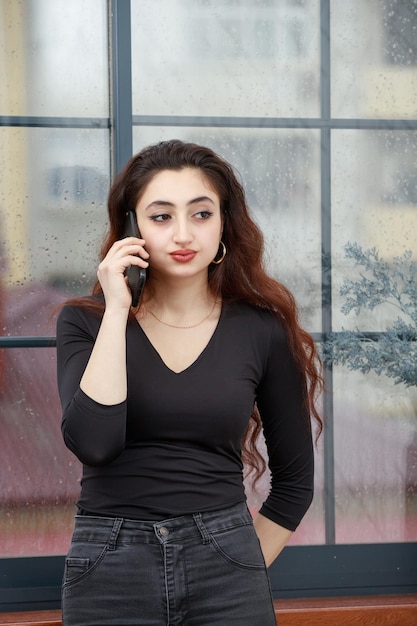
[{"x": 30, "y": 583}]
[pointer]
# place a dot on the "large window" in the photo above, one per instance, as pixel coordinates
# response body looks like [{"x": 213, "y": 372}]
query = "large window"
[{"x": 313, "y": 101}]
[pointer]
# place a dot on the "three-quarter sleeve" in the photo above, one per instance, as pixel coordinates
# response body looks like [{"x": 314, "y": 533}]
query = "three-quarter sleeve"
[
  {"x": 287, "y": 429},
  {"x": 94, "y": 432}
]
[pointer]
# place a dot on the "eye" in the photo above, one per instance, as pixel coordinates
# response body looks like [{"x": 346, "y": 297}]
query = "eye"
[
  {"x": 203, "y": 215},
  {"x": 161, "y": 217}
]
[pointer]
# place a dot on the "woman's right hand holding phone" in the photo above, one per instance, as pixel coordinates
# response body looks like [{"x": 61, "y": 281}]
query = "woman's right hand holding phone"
[{"x": 111, "y": 271}]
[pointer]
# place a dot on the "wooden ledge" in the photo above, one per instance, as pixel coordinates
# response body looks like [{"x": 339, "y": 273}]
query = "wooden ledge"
[
  {"x": 399, "y": 610},
  {"x": 31, "y": 618}
]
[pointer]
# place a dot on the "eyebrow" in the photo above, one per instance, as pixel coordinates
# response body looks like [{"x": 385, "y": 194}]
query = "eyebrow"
[{"x": 163, "y": 203}]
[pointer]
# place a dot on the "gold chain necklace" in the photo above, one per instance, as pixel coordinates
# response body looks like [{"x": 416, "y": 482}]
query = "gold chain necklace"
[{"x": 185, "y": 327}]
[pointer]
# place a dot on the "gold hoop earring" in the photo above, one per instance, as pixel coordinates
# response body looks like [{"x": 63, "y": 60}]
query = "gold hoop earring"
[{"x": 224, "y": 251}]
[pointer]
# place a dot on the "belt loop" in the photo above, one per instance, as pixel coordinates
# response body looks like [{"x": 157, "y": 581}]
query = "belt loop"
[
  {"x": 200, "y": 525},
  {"x": 114, "y": 533}
]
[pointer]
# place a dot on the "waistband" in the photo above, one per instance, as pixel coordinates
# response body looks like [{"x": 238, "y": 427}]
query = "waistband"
[{"x": 191, "y": 526}]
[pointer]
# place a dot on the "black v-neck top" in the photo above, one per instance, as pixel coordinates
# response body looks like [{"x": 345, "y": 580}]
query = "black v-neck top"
[{"x": 174, "y": 447}]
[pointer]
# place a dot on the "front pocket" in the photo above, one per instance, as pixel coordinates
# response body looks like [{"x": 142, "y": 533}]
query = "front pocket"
[
  {"x": 239, "y": 546},
  {"x": 82, "y": 559}
]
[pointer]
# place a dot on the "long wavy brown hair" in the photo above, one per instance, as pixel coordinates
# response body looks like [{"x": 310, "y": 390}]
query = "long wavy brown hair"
[{"x": 240, "y": 277}]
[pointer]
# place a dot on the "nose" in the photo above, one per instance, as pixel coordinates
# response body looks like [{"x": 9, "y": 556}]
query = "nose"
[{"x": 182, "y": 231}]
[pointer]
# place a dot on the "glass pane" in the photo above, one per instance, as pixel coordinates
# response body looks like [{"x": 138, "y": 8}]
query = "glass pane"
[
  {"x": 374, "y": 198},
  {"x": 234, "y": 58},
  {"x": 278, "y": 169},
  {"x": 375, "y": 459},
  {"x": 374, "y": 59},
  {"x": 53, "y": 188},
  {"x": 55, "y": 59},
  {"x": 39, "y": 477}
]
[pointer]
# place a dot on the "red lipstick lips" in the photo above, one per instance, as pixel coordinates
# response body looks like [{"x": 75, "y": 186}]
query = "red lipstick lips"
[{"x": 183, "y": 255}]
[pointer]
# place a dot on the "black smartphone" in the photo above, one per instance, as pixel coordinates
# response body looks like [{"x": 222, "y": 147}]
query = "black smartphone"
[{"x": 136, "y": 276}]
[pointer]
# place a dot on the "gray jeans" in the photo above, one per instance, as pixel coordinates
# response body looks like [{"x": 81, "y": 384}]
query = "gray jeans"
[{"x": 195, "y": 570}]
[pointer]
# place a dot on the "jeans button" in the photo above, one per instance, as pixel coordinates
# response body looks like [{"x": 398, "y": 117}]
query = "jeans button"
[{"x": 164, "y": 531}]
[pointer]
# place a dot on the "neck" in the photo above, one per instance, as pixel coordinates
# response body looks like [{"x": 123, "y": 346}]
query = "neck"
[{"x": 180, "y": 298}]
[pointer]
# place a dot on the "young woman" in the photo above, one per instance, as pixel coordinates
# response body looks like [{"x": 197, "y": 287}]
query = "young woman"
[{"x": 163, "y": 401}]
